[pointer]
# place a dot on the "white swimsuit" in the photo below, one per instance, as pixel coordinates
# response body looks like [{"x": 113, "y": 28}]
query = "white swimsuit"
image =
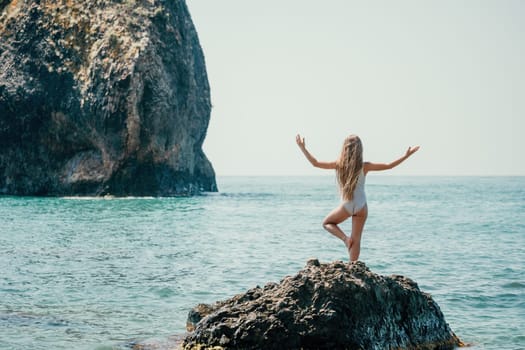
[{"x": 358, "y": 200}]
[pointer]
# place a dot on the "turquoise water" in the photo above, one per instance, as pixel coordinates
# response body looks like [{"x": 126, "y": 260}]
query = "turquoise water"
[{"x": 104, "y": 273}]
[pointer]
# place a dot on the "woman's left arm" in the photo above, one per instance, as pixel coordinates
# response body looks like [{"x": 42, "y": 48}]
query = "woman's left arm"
[{"x": 368, "y": 166}]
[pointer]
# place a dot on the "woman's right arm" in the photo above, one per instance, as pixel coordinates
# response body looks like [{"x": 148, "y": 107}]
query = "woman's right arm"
[{"x": 310, "y": 157}]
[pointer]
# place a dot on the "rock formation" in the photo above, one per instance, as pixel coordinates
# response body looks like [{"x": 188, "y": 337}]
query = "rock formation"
[
  {"x": 324, "y": 306},
  {"x": 102, "y": 97}
]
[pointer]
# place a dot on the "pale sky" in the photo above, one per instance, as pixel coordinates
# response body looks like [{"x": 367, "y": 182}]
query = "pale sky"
[{"x": 447, "y": 75}]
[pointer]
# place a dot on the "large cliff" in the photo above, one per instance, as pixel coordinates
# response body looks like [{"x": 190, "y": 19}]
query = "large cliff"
[{"x": 102, "y": 97}]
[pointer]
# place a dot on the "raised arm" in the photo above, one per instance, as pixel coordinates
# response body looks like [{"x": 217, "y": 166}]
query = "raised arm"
[
  {"x": 368, "y": 166},
  {"x": 310, "y": 157}
]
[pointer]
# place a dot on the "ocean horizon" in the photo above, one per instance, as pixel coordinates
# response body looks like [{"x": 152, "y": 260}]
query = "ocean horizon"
[{"x": 105, "y": 272}]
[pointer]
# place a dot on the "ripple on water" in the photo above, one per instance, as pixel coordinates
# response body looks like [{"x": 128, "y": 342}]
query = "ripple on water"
[{"x": 514, "y": 285}]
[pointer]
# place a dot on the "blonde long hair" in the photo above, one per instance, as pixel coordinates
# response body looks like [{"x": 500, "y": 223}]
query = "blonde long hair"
[{"x": 349, "y": 165}]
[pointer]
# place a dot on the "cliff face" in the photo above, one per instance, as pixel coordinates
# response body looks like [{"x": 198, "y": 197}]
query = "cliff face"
[
  {"x": 324, "y": 306},
  {"x": 102, "y": 97}
]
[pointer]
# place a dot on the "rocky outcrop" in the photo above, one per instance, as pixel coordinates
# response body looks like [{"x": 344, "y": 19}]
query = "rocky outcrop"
[
  {"x": 102, "y": 97},
  {"x": 324, "y": 306}
]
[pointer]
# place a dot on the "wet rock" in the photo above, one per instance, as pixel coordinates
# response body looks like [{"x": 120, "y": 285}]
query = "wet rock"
[
  {"x": 102, "y": 97},
  {"x": 324, "y": 306}
]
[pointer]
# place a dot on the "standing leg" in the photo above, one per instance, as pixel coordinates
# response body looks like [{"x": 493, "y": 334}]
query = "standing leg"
[
  {"x": 358, "y": 223},
  {"x": 330, "y": 224}
]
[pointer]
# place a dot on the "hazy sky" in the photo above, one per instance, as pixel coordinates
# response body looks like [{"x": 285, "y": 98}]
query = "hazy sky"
[{"x": 448, "y": 75}]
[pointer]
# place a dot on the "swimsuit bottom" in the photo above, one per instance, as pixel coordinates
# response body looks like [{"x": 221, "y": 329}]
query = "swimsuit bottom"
[{"x": 354, "y": 205}]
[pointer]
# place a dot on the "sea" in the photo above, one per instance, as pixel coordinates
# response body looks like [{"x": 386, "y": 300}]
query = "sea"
[{"x": 113, "y": 273}]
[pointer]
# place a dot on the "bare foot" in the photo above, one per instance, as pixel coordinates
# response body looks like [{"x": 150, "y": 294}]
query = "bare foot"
[{"x": 348, "y": 243}]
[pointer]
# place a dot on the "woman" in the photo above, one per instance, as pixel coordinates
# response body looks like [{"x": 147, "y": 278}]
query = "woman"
[{"x": 351, "y": 172}]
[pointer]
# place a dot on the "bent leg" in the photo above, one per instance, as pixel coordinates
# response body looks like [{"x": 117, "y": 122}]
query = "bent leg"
[
  {"x": 330, "y": 224},
  {"x": 358, "y": 223}
]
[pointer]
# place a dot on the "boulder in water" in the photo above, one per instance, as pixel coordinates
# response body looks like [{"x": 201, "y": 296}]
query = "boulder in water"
[{"x": 324, "y": 306}]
